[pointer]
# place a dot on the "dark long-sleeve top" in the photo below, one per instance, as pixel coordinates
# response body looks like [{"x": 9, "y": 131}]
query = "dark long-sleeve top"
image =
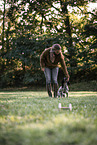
[{"x": 59, "y": 59}]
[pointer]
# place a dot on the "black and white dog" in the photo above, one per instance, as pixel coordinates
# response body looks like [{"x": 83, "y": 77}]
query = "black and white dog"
[{"x": 63, "y": 90}]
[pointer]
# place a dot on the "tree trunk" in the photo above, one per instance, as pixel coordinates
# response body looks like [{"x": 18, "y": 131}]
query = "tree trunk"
[
  {"x": 3, "y": 27},
  {"x": 3, "y": 35},
  {"x": 68, "y": 31}
]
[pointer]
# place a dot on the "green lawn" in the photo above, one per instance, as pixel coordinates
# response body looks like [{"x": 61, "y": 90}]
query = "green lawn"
[{"x": 32, "y": 118}]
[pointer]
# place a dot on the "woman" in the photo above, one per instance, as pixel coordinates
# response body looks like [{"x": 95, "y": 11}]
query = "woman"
[{"x": 49, "y": 62}]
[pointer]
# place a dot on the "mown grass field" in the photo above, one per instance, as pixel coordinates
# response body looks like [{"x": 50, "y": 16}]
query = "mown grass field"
[{"x": 32, "y": 118}]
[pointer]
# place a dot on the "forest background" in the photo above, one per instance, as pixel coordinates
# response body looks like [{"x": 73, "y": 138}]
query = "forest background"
[{"x": 27, "y": 27}]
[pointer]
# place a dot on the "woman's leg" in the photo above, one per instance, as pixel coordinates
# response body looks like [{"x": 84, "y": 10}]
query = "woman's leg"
[
  {"x": 55, "y": 75},
  {"x": 47, "y": 73},
  {"x": 54, "y": 78}
]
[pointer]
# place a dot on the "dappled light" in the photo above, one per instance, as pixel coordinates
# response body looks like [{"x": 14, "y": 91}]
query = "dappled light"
[
  {"x": 28, "y": 27},
  {"x": 28, "y": 116}
]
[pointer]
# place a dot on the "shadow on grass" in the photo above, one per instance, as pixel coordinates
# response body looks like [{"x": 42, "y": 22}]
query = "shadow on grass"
[{"x": 82, "y": 86}]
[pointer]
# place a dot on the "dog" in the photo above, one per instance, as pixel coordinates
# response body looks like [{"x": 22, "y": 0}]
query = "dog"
[{"x": 63, "y": 90}]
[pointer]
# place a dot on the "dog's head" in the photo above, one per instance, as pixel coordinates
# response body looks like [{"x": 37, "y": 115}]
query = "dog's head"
[{"x": 64, "y": 81}]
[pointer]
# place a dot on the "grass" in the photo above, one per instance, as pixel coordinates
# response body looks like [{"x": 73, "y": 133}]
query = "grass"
[{"x": 32, "y": 118}]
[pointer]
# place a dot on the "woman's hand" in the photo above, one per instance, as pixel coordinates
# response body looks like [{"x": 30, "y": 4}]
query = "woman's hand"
[
  {"x": 67, "y": 79},
  {"x": 43, "y": 69}
]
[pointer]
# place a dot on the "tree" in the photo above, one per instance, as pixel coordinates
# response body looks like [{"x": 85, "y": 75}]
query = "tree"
[{"x": 31, "y": 26}]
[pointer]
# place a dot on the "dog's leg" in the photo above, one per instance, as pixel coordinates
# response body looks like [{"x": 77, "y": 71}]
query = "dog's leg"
[
  {"x": 62, "y": 94},
  {"x": 67, "y": 94}
]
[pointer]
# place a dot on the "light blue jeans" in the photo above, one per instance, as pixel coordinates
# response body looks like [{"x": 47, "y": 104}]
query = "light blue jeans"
[{"x": 51, "y": 75}]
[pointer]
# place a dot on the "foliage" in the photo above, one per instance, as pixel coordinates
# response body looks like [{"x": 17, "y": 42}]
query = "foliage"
[
  {"x": 28, "y": 27},
  {"x": 30, "y": 117}
]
